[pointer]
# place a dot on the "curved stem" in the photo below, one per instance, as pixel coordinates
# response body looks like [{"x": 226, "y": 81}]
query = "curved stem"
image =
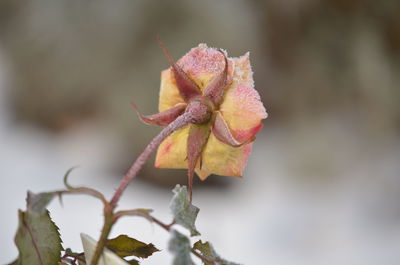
[{"x": 178, "y": 123}]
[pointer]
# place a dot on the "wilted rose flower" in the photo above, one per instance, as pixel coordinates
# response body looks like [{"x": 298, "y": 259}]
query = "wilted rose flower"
[{"x": 219, "y": 92}]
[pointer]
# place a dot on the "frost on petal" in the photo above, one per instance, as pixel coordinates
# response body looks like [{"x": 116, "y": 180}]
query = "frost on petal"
[
  {"x": 222, "y": 159},
  {"x": 169, "y": 93},
  {"x": 242, "y": 108},
  {"x": 242, "y": 72},
  {"x": 172, "y": 151},
  {"x": 203, "y": 64}
]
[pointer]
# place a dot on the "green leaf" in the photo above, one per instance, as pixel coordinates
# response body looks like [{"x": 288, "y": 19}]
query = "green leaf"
[
  {"x": 179, "y": 245},
  {"x": 208, "y": 251},
  {"x": 183, "y": 211},
  {"x": 37, "y": 239},
  {"x": 125, "y": 246},
  {"x": 107, "y": 257}
]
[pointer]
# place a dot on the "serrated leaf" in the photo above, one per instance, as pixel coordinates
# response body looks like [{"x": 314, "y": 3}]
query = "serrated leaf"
[
  {"x": 179, "y": 245},
  {"x": 125, "y": 246},
  {"x": 37, "y": 239},
  {"x": 208, "y": 251},
  {"x": 107, "y": 257},
  {"x": 183, "y": 211}
]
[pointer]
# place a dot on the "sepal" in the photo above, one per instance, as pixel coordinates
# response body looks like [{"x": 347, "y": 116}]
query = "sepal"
[
  {"x": 163, "y": 118},
  {"x": 187, "y": 87},
  {"x": 223, "y": 133}
]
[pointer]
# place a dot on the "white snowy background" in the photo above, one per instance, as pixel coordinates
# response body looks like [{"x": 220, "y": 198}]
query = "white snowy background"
[{"x": 318, "y": 190}]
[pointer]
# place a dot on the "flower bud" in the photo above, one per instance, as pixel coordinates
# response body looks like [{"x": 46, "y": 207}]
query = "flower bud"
[{"x": 200, "y": 110}]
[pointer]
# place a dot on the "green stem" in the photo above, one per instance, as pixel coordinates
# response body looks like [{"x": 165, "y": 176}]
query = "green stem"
[{"x": 108, "y": 223}]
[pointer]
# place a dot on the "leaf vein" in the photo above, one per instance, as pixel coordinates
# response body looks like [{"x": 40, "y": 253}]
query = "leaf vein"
[{"x": 33, "y": 240}]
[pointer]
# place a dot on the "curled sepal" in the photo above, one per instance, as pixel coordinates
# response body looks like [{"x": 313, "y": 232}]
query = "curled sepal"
[
  {"x": 163, "y": 118},
  {"x": 223, "y": 133},
  {"x": 198, "y": 136},
  {"x": 81, "y": 190},
  {"x": 215, "y": 89},
  {"x": 186, "y": 86}
]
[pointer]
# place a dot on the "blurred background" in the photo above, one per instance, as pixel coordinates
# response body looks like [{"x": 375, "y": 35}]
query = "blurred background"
[{"x": 323, "y": 183}]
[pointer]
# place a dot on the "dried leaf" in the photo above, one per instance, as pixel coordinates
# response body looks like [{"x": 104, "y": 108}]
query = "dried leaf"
[
  {"x": 125, "y": 246},
  {"x": 133, "y": 262},
  {"x": 183, "y": 211},
  {"x": 208, "y": 251},
  {"x": 107, "y": 258}
]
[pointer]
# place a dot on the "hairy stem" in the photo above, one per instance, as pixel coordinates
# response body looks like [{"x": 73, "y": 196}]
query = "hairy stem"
[
  {"x": 178, "y": 123},
  {"x": 181, "y": 121}
]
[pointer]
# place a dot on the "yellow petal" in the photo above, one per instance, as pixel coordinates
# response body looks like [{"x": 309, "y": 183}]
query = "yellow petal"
[
  {"x": 221, "y": 159},
  {"x": 241, "y": 107},
  {"x": 169, "y": 93},
  {"x": 172, "y": 152}
]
